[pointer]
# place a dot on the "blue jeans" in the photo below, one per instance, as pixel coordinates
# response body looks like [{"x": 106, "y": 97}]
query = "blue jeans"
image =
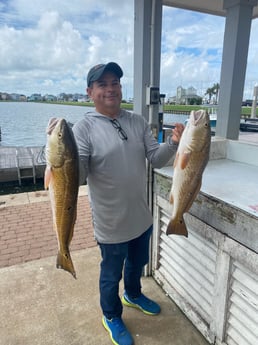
[{"x": 132, "y": 256}]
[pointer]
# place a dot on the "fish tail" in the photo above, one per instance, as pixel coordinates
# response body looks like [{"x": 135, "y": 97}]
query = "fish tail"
[
  {"x": 177, "y": 227},
  {"x": 64, "y": 261}
]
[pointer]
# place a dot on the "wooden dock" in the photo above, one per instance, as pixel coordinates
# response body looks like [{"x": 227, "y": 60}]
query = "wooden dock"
[
  {"x": 18, "y": 163},
  {"x": 10, "y": 156}
]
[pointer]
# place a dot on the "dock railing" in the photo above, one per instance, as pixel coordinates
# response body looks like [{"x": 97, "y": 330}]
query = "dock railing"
[{"x": 25, "y": 164}]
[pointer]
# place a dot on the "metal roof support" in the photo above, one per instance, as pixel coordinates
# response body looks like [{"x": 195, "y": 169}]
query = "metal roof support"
[
  {"x": 142, "y": 9},
  {"x": 234, "y": 61},
  {"x": 147, "y": 51}
]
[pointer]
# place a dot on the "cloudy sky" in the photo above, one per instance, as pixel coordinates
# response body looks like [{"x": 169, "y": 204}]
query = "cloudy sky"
[{"x": 47, "y": 46}]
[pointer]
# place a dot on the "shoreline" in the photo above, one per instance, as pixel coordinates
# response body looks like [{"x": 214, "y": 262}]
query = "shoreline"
[{"x": 246, "y": 110}]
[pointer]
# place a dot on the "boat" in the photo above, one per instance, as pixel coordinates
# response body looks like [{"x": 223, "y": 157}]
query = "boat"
[
  {"x": 213, "y": 120},
  {"x": 249, "y": 124}
]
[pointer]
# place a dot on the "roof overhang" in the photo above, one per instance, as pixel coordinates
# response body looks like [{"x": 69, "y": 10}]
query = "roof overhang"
[{"x": 215, "y": 7}]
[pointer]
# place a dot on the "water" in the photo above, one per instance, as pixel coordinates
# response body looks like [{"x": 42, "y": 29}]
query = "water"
[
  {"x": 173, "y": 118},
  {"x": 24, "y": 123}
]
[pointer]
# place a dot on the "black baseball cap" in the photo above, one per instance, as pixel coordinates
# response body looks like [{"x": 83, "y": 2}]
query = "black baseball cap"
[{"x": 96, "y": 72}]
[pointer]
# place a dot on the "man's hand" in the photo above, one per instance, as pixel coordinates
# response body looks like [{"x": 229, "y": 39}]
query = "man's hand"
[{"x": 177, "y": 132}]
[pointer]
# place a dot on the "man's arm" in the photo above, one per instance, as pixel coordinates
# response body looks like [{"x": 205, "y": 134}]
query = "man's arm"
[{"x": 159, "y": 154}]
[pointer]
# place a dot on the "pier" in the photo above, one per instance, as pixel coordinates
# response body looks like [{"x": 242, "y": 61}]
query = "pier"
[{"x": 18, "y": 163}]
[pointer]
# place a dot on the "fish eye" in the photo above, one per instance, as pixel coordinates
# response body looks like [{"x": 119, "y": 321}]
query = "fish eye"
[{"x": 59, "y": 135}]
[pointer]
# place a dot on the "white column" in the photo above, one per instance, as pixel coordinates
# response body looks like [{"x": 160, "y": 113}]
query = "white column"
[
  {"x": 147, "y": 50},
  {"x": 234, "y": 60}
]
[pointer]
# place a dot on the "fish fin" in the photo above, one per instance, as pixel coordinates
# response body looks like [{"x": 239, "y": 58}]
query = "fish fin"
[
  {"x": 64, "y": 261},
  {"x": 185, "y": 157},
  {"x": 47, "y": 177},
  {"x": 177, "y": 227}
]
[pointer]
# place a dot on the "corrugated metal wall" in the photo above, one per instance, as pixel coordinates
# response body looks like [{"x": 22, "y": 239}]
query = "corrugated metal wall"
[
  {"x": 189, "y": 266},
  {"x": 212, "y": 278},
  {"x": 242, "y": 320}
]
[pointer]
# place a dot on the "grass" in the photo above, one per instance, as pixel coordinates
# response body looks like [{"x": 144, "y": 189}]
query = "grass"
[{"x": 246, "y": 111}]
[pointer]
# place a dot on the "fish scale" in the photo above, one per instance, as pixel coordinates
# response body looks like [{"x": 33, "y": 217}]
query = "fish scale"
[
  {"x": 191, "y": 159},
  {"x": 62, "y": 179}
]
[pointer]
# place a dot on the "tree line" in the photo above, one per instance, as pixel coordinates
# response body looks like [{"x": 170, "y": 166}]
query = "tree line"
[{"x": 213, "y": 91}]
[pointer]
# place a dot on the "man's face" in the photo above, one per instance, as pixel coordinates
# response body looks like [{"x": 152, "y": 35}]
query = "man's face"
[{"x": 106, "y": 92}]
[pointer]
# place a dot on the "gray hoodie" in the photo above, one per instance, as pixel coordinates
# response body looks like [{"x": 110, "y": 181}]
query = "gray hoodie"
[{"x": 115, "y": 170}]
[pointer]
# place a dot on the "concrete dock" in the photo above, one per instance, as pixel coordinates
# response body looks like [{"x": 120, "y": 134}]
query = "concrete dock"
[{"x": 41, "y": 305}]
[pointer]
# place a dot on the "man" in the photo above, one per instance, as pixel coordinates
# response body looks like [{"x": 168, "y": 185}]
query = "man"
[{"x": 113, "y": 146}]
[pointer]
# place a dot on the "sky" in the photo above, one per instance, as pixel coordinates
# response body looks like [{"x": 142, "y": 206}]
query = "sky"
[{"x": 48, "y": 46}]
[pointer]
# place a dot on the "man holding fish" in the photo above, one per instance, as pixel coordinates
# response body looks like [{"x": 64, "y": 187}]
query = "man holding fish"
[{"x": 113, "y": 145}]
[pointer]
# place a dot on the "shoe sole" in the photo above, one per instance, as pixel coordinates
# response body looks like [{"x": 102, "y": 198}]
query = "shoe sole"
[
  {"x": 109, "y": 331},
  {"x": 136, "y": 306}
]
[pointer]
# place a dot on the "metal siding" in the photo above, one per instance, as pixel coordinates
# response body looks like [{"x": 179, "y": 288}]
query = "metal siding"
[
  {"x": 242, "y": 321},
  {"x": 212, "y": 278},
  {"x": 189, "y": 266}
]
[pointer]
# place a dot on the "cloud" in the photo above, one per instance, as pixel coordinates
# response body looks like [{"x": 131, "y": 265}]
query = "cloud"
[
  {"x": 51, "y": 41},
  {"x": 191, "y": 50},
  {"x": 49, "y": 46},
  {"x": 48, "y": 50}
]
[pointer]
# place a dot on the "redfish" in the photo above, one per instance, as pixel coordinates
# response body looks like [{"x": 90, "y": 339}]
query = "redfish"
[
  {"x": 191, "y": 159},
  {"x": 62, "y": 179}
]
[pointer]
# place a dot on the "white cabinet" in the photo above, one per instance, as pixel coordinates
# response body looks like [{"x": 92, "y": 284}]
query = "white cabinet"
[{"x": 212, "y": 276}]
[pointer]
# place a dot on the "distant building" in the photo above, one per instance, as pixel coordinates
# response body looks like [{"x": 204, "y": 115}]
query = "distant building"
[
  {"x": 23, "y": 98},
  {"x": 35, "y": 97},
  {"x": 78, "y": 97},
  {"x": 17, "y": 97},
  {"x": 171, "y": 100},
  {"x": 50, "y": 98},
  {"x": 83, "y": 98},
  {"x": 185, "y": 96},
  {"x": 4, "y": 96}
]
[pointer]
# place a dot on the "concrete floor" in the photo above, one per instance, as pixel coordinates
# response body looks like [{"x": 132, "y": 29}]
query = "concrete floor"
[{"x": 41, "y": 305}]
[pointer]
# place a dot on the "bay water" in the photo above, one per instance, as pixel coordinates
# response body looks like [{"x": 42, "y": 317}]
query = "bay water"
[{"x": 24, "y": 123}]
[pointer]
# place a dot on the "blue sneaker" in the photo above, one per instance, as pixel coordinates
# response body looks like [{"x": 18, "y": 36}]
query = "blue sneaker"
[
  {"x": 142, "y": 303},
  {"x": 117, "y": 331}
]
